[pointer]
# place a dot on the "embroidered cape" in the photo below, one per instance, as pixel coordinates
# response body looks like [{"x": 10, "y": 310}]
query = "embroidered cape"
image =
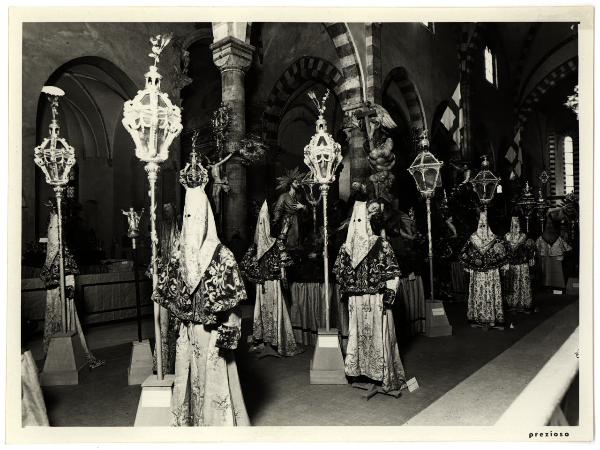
[
  {"x": 220, "y": 290},
  {"x": 520, "y": 251},
  {"x": 269, "y": 266},
  {"x": 493, "y": 256},
  {"x": 370, "y": 276},
  {"x": 50, "y": 274}
]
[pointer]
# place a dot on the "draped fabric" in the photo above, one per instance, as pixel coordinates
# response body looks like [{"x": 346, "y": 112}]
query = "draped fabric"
[
  {"x": 551, "y": 256},
  {"x": 372, "y": 349},
  {"x": 169, "y": 323},
  {"x": 33, "y": 408},
  {"x": 412, "y": 298},
  {"x": 516, "y": 283},
  {"x": 308, "y": 310},
  {"x": 459, "y": 282},
  {"x": 371, "y": 288},
  {"x": 268, "y": 267},
  {"x": 285, "y": 215},
  {"x": 272, "y": 324},
  {"x": 483, "y": 255},
  {"x": 202, "y": 286},
  {"x": 485, "y": 298},
  {"x": 517, "y": 288},
  {"x": 265, "y": 264},
  {"x": 55, "y": 308},
  {"x": 360, "y": 238},
  {"x": 207, "y": 388},
  {"x": 262, "y": 236}
]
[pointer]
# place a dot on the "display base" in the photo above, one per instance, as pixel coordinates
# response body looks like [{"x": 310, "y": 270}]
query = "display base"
[
  {"x": 141, "y": 363},
  {"x": 436, "y": 322},
  {"x": 154, "y": 408},
  {"x": 372, "y": 390},
  {"x": 327, "y": 363},
  {"x": 64, "y": 360},
  {"x": 572, "y": 286}
]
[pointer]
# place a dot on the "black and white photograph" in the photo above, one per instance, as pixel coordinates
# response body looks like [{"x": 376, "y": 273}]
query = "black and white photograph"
[{"x": 292, "y": 221}]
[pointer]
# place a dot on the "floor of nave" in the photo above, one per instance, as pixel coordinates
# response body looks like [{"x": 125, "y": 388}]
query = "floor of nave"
[{"x": 277, "y": 391}]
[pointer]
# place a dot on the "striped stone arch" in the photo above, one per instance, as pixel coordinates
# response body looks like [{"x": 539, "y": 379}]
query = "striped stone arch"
[
  {"x": 543, "y": 86},
  {"x": 352, "y": 90},
  {"x": 411, "y": 96},
  {"x": 301, "y": 71}
]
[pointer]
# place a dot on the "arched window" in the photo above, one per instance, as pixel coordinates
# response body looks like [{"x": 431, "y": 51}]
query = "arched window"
[
  {"x": 491, "y": 66},
  {"x": 568, "y": 165}
]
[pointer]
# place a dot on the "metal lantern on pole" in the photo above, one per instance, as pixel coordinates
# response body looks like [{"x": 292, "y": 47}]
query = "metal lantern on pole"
[
  {"x": 56, "y": 158},
  {"x": 153, "y": 122},
  {"x": 133, "y": 232},
  {"x": 527, "y": 202},
  {"x": 485, "y": 183},
  {"x": 425, "y": 169},
  {"x": 323, "y": 155}
]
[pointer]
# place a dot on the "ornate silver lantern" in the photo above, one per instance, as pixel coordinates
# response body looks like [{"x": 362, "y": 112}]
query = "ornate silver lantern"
[
  {"x": 527, "y": 203},
  {"x": 56, "y": 158},
  {"x": 153, "y": 122},
  {"x": 425, "y": 169}
]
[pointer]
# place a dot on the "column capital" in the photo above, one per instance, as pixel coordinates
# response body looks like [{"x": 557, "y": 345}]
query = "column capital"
[{"x": 232, "y": 54}]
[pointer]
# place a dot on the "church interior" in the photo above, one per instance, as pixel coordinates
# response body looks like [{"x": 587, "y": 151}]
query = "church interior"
[{"x": 287, "y": 223}]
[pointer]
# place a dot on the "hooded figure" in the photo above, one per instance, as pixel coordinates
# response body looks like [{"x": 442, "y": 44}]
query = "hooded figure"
[
  {"x": 521, "y": 255},
  {"x": 482, "y": 256},
  {"x": 367, "y": 273},
  {"x": 202, "y": 286},
  {"x": 551, "y": 248},
  {"x": 50, "y": 275},
  {"x": 264, "y": 264}
]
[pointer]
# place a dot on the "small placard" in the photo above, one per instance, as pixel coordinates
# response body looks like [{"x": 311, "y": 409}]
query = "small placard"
[
  {"x": 412, "y": 384},
  {"x": 328, "y": 341},
  {"x": 44, "y": 240},
  {"x": 156, "y": 397},
  {"x": 557, "y": 292},
  {"x": 438, "y": 311}
]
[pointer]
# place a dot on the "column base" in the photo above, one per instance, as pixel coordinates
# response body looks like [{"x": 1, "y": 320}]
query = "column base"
[
  {"x": 64, "y": 360},
  {"x": 154, "y": 408},
  {"x": 141, "y": 363},
  {"x": 327, "y": 363},
  {"x": 436, "y": 323}
]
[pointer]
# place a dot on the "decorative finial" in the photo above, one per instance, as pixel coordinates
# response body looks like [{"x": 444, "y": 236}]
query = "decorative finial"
[
  {"x": 159, "y": 42},
  {"x": 485, "y": 163},
  {"x": 321, "y": 106},
  {"x": 193, "y": 174}
]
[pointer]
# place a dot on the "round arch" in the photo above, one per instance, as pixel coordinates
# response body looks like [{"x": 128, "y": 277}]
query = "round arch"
[
  {"x": 303, "y": 70},
  {"x": 410, "y": 93}
]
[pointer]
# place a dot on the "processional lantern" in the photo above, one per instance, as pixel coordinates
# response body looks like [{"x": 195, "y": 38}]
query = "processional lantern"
[
  {"x": 527, "y": 203},
  {"x": 425, "y": 170},
  {"x": 56, "y": 158},
  {"x": 485, "y": 183},
  {"x": 323, "y": 155},
  {"x": 153, "y": 123}
]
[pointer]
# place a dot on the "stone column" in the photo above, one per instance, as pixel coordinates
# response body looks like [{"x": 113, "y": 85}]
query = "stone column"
[
  {"x": 233, "y": 57},
  {"x": 359, "y": 165}
]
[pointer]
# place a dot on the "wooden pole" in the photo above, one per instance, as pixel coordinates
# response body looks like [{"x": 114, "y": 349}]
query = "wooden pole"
[
  {"x": 138, "y": 303},
  {"x": 61, "y": 261},
  {"x": 152, "y": 170},
  {"x": 324, "y": 190}
]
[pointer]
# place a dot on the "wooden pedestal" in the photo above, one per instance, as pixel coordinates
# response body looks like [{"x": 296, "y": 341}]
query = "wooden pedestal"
[
  {"x": 64, "y": 360},
  {"x": 327, "y": 364},
  {"x": 154, "y": 408},
  {"x": 436, "y": 323},
  {"x": 141, "y": 362}
]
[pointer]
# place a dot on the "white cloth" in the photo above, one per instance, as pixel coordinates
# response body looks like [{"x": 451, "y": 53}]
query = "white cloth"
[
  {"x": 483, "y": 237},
  {"x": 360, "y": 239},
  {"x": 262, "y": 236},
  {"x": 198, "y": 236}
]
